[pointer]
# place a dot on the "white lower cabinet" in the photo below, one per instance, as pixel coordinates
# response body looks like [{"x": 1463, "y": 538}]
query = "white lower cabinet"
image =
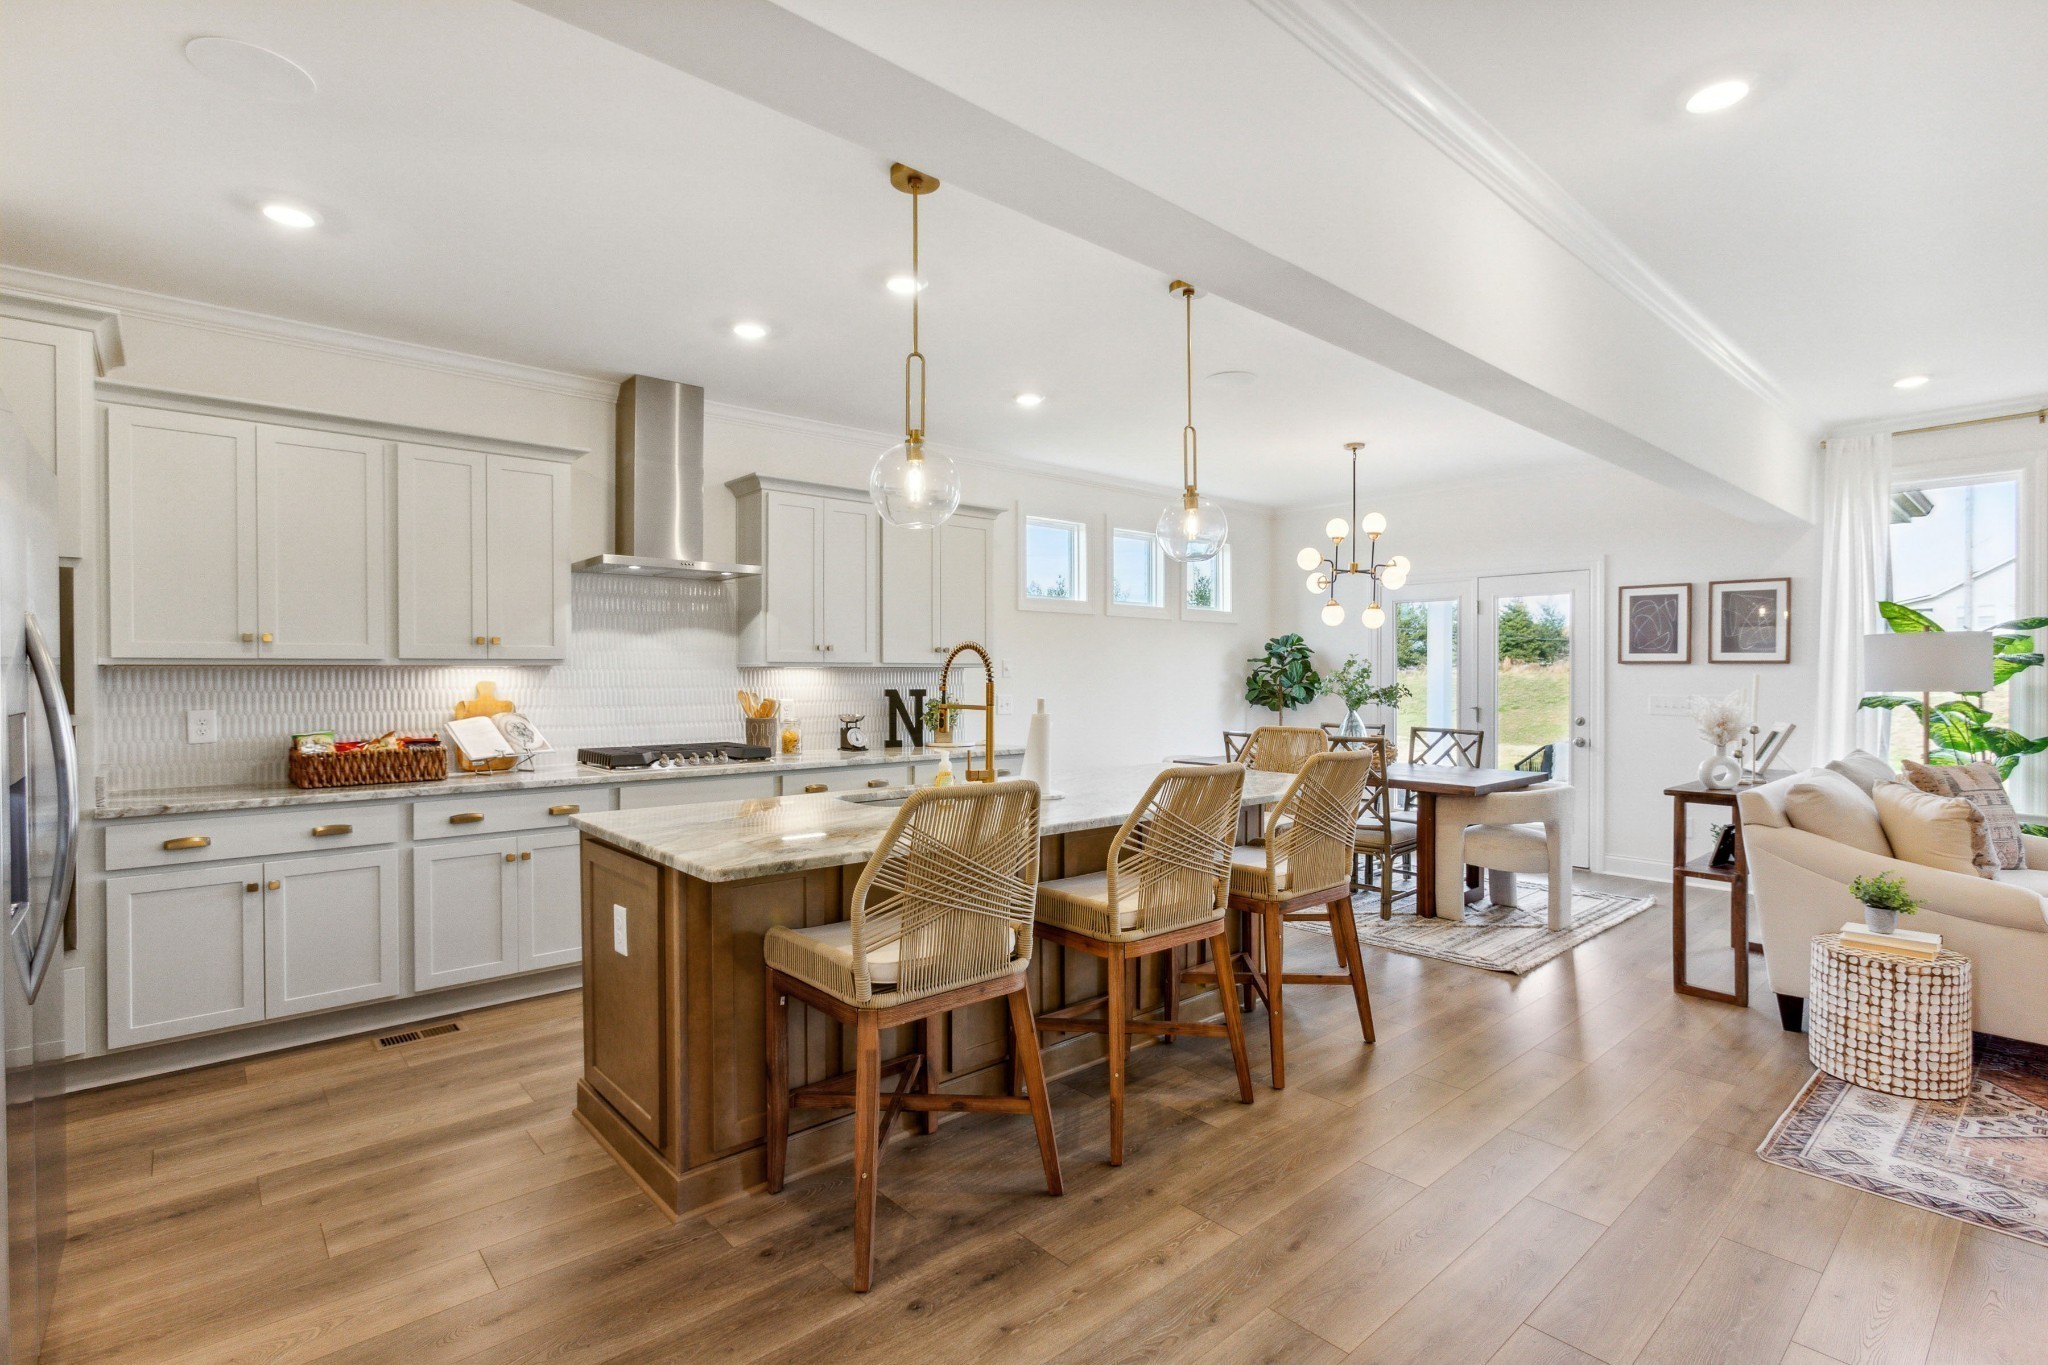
[
  {"x": 550, "y": 900},
  {"x": 465, "y": 912},
  {"x": 184, "y": 952},
  {"x": 330, "y": 931}
]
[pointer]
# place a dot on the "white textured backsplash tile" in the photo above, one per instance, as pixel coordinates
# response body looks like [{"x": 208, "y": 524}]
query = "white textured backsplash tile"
[{"x": 650, "y": 660}]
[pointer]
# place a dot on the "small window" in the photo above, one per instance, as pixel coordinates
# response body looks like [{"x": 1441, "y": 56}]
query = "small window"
[
  {"x": 1055, "y": 562},
  {"x": 1208, "y": 587},
  {"x": 1137, "y": 574}
]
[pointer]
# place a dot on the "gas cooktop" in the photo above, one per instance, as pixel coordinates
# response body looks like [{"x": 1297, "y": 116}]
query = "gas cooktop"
[{"x": 702, "y": 755}]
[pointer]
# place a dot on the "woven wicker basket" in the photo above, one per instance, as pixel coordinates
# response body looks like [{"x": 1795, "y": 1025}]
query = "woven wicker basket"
[{"x": 367, "y": 768}]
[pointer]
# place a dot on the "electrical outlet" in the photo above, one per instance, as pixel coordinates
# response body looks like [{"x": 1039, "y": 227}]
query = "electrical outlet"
[
  {"x": 619, "y": 930},
  {"x": 202, "y": 727},
  {"x": 1005, "y": 705}
]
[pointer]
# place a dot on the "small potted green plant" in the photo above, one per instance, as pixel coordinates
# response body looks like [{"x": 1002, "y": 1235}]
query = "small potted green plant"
[
  {"x": 1284, "y": 676},
  {"x": 938, "y": 720},
  {"x": 1884, "y": 898},
  {"x": 1354, "y": 685}
]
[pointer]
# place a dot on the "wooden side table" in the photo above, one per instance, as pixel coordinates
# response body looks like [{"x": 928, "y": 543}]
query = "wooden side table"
[
  {"x": 1885, "y": 1022},
  {"x": 1685, "y": 870}
]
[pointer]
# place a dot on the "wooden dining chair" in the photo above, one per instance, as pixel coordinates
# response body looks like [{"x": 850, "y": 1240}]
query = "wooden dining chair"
[
  {"x": 1446, "y": 746},
  {"x": 1381, "y": 837},
  {"x": 1164, "y": 888},
  {"x": 1301, "y": 873},
  {"x": 941, "y": 918},
  {"x": 1233, "y": 744},
  {"x": 1283, "y": 748}
]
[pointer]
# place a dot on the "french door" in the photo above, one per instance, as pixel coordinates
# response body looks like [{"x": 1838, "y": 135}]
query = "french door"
[{"x": 1509, "y": 655}]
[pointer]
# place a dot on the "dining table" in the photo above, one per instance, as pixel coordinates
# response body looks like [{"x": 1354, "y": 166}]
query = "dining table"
[{"x": 1425, "y": 782}]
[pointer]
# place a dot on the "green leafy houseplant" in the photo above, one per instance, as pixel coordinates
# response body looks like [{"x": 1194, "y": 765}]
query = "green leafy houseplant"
[
  {"x": 1353, "y": 684},
  {"x": 938, "y": 716},
  {"x": 1284, "y": 676},
  {"x": 1885, "y": 891}
]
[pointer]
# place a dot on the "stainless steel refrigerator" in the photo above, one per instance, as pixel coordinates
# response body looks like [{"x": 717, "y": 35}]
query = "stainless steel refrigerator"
[{"x": 37, "y": 861}]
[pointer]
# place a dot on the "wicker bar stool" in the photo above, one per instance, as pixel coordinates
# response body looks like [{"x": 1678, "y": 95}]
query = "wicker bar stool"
[
  {"x": 1165, "y": 887},
  {"x": 941, "y": 918},
  {"x": 1380, "y": 837},
  {"x": 1301, "y": 873},
  {"x": 1283, "y": 748}
]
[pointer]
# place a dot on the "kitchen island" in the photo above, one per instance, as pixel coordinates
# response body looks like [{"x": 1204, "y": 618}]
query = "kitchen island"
[{"x": 676, "y": 900}]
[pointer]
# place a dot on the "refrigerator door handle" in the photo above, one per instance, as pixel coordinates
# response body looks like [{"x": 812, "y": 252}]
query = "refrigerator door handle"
[{"x": 35, "y": 962}]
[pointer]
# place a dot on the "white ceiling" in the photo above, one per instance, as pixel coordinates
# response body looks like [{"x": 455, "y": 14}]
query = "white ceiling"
[
  {"x": 1876, "y": 209},
  {"x": 496, "y": 182}
]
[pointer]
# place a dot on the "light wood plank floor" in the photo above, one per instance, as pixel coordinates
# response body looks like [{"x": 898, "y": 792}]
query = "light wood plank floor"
[{"x": 1558, "y": 1168}]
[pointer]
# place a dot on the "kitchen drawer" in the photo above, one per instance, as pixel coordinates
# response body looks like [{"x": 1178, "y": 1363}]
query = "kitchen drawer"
[
  {"x": 690, "y": 791},
  {"x": 450, "y": 817},
  {"x": 847, "y": 779},
  {"x": 170, "y": 842}
]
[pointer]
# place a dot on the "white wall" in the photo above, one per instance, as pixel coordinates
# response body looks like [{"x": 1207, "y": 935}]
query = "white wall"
[{"x": 1632, "y": 531}]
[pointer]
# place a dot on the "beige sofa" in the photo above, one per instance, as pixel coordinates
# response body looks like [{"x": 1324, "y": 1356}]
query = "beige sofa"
[{"x": 1801, "y": 881}]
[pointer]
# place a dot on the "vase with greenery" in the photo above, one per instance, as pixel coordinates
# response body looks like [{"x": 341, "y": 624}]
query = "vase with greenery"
[
  {"x": 938, "y": 720},
  {"x": 1353, "y": 685},
  {"x": 1884, "y": 898},
  {"x": 1285, "y": 675},
  {"x": 1961, "y": 731}
]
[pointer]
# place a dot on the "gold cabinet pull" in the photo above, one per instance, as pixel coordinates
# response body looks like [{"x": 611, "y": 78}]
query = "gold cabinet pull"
[
  {"x": 524, "y": 855},
  {"x": 496, "y": 641},
  {"x": 323, "y": 831},
  {"x": 511, "y": 857},
  {"x": 274, "y": 885},
  {"x": 189, "y": 841},
  {"x": 468, "y": 817},
  {"x": 564, "y": 810},
  {"x": 814, "y": 788},
  {"x": 266, "y": 638},
  {"x": 480, "y": 640},
  {"x": 878, "y": 782},
  {"x": 248, "y": 637},
  {"x": 252, "y": 888}
]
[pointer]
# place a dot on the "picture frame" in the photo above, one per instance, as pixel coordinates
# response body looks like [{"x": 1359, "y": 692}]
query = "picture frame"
[
  {"x": 1656, "y": 624},
  {"x": 1749, "y": 621}
]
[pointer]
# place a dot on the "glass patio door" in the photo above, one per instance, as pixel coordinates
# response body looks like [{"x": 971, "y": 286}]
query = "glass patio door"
[
  {"x": 1423, "y": 654},
  {"x": 1533, "y": 652}
]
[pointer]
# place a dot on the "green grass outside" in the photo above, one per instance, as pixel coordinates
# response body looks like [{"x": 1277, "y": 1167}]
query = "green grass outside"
[{"x": 1535, "y": 708}]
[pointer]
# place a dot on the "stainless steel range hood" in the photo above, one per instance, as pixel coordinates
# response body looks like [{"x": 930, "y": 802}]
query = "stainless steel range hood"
[{"x": 658, "y": 526}]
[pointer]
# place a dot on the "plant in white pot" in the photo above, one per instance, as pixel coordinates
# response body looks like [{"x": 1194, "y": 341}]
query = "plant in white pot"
[
  {"x": 1721, "y": 721},
  {"x": 1884, "y": 898}
]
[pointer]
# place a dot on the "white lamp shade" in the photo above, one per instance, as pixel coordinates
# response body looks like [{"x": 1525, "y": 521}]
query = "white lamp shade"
[
  {"x": 1928, "y": 661},
  {"x": 1309, "y": 557}
]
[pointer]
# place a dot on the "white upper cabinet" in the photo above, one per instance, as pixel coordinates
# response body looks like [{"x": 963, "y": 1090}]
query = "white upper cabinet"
[
  {"x": 181, "y": 536},
  {"x": 46, "y": 376},
  {"x": 483, "y": 555},
  {"x": 816, "y": 600},
  {"x": 935, "y": 588},
  {"x": 526, "y": 558},
  {"x": 323, "y": 554}
]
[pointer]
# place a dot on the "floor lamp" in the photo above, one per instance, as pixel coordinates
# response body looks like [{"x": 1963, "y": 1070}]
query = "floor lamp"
[{"x": 1928, "y": 662}]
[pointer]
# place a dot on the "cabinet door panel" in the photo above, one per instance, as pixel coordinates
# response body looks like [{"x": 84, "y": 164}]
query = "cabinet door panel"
[
  {"x": 440, "y": 553},
  {"x": 181, "y": 535},
  {"x": 851, "y": 553},
  {"x": 909, "y": 626},
  {"x": 550, "y": 899},
  {"x": 966, "y": 550},
  {"x": 629, "y": 1023},
  {"x": 330, "y": 932},
  {"x": 794, "y": 610},
  {"x": 322, "y": 545},
  {"x": 527, "y": 559},
  {"x": 184, "y": 952},
  {"x": 46, "y": 374},
  {"x": 465, "y": 903}
]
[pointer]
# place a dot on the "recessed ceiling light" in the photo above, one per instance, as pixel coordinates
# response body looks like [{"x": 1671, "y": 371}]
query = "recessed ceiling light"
[
  {"x": 251, "y": 69},
  {"x": 291, "y": 216},
  {"x": 749, "y": 331},
  {"x": 1911, "y": 381},
  {"x": 1030, "y": 400},
  {"x": 1712, "y": 99},
  {"x": 907, "y": 284}
]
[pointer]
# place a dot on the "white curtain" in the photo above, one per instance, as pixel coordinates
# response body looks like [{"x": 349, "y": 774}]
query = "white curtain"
[{"x": 1855, "y": 572}]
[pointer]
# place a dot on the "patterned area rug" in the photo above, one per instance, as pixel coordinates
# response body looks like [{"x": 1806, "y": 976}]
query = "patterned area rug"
[
  {"x": 1983, "y": 1159},
  {"x": 1496, "y": 938}
]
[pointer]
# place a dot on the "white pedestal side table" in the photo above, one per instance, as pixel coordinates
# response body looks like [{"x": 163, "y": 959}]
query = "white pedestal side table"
[{"x": 1896, "y": 1024}]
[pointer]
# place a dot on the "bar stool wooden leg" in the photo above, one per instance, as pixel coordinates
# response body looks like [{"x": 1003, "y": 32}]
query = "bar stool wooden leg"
[
  {"x": 777, "y": 1039},
  {"x": 867, "y": 1113},
  {"x": 1233, "y": 1022},
  {"x": 1275, "y": 1026},
  {"x": 1344, "y": 928},
  {"x": 1248, "y": 935},
  {"x": 928, "y": 1074},
  {"x": 1118, "y": 1010},
  {"x": 1031, "y": 1069},
  {"x": 1170, "y": 1004}
]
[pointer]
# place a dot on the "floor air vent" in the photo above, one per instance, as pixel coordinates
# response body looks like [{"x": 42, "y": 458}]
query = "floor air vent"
[{"x": 415, "y": 1034}]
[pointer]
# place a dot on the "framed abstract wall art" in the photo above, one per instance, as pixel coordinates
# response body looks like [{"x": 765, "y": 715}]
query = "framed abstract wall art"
[
  {"x": 1749, "y": 621},
  {"x": 1656, "y": 624}
]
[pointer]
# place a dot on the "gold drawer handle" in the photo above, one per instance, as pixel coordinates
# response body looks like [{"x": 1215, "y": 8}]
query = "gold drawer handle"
[
  {"x": 252, "y": 887},
  {"x": 814, "y": 788},
  {"x": 524, "y": 856},
  {"x": 248, "y": 637},
  {"x": 323, "y": 831},
  {"x": 878, "y": 782},
  {"x": 480, "y": 639},
  {"x": 496, "y": 641},
  {"x": 511, "y": 857},
  {"x": 274, "y": 885},
  {"x": 468, "y": 817},
  {"x": 564, "y": 810},
  {"x": 189, "y": 841},
  {"x": 266, "y": 638}
]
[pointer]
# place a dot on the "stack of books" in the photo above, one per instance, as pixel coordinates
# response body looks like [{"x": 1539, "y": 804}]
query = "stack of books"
[{"x": 1901, "y": 943}]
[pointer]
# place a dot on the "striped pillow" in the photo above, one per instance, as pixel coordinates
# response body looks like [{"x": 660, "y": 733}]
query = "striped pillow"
[{"x": 1979, "y": 784}]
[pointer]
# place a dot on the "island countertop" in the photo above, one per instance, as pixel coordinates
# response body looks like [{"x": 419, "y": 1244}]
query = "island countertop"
[{"x": 726, "y": 841}]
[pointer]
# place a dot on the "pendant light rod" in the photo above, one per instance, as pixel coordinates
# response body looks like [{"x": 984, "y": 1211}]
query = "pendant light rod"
[
  {"x": 1189, "y": 452},
  {"x": 916, "y": 184},
  {"x": 911, "y": 486}
]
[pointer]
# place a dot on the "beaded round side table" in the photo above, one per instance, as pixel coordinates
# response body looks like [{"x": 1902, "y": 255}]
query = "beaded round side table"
[{"x": 1896, "y": 1024}]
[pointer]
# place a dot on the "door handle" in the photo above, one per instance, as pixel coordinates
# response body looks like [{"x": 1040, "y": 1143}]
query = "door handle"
[
  {"x": 1578, "y": 744},
  {"x": 35, "y": 962}
]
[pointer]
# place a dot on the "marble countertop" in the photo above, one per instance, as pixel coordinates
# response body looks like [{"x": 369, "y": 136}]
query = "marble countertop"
[
  {"x": 729, "y": 841},
  {"x": 264, "y": 796}
]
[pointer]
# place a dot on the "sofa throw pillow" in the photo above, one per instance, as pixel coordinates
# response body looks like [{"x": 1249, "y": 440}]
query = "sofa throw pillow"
[
  {"x": 1834, "y": 807},
  {"x": 1863, "y": 768},
  {"x": 1978, "y": 784},
  {"x": 1941, "y": 832}
]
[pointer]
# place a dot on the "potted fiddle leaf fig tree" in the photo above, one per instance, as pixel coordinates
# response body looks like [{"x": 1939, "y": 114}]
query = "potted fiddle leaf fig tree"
[{"x": 1285, "y": 675}]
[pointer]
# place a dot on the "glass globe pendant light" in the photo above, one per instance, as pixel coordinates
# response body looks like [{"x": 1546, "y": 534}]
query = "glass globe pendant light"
[
  {"x": 911, "y": 486},
  {"x": 1324, "y": 570},
  {"x": 1195, "y": 528}
]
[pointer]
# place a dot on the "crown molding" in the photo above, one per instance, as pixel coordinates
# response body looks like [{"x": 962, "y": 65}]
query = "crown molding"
[
  {"x": 1339, "y": 32},
  {"x": 1872, "y": 426},
  {"x": 104, "y": 324},
  {"x": 65, "y": 291}
]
